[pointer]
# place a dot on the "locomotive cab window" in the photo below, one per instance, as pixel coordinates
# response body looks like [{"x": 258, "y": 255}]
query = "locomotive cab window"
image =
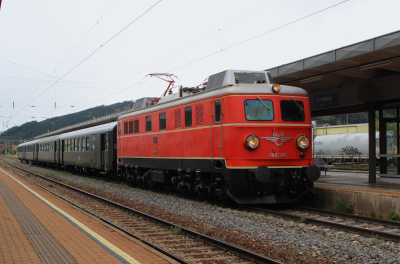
[
  {"x": 148, "y": 123},
  {"x": 259, "y": 110},
  {"x": 188, "y": 116},
  {"x": 163, "y": 121},
  {"x": 292, "y": 110},
  {"x": 217, "y": 112}
]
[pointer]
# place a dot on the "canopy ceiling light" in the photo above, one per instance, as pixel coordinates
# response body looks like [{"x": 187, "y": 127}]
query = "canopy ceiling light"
[
  {"x": 375, "y": 65},
  {"x": 312, "y": 79}
]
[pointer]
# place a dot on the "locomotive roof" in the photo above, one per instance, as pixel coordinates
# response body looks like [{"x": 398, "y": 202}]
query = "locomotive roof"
[{"x": 174, "y": 99}]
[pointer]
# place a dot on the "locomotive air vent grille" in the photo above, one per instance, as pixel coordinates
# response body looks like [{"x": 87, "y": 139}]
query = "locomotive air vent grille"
[
  {"x": 178, "y": 119},
  {"x": 250, "y": 77},
  {"x": 136, "y": 125},
  {"x": 125, "y": 128},
  {"x": 216, "y": 80},
  {"x": 130, "y": 127},
  {"x": 199, "y": 115}
]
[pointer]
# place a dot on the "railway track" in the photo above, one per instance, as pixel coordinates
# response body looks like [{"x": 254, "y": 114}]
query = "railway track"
[
  {"x": 374, "y": 227},
  {"x": 179, "y": 243}
]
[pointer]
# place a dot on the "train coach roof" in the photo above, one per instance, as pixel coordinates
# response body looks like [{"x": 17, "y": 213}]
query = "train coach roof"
[
  {"x": 258, "y": 89},
  {"x": 27, "y": 143}
]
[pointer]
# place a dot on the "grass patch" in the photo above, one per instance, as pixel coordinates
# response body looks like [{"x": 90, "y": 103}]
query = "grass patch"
[
  {"x": 380, "y": 216},
  {"x": 303, "y": 219},
  {"x": 68, "y": 182},
  {"x": 207, "y": 230},
  {"x": 394, "y": 215},
  {"x": 350, "y": 254},
  {"x": 51, "y": 184},
  {"x": 373, "y": 242},
  {"x": 176, "y": 230},
  {"x": 268, "y": 219},
  {"x": 341, "y": 206},
  {"x": 373, "y": 215}
]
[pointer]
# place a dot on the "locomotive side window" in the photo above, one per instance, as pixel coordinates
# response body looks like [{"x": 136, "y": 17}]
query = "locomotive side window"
[
  {"x": 87, "y": 144},
  {"x": 199, "y": 115},
  {"x": 163, "y": 121},
  {"x": 83, "y": 144},
  {"x": 292, "y": 110},
  {"x": 130, "y": 127},
  {"x": 178, "y": 118},
  {"x": 119, "y": 129},
  {"x": 148, "y": 123},
  {"x": 259, "y": 110},
  {"x": 136, "y": 125},
  {"x": 188, "y": 116},
  {"x": 126, "y": 128},
  {"x": 217, "y": 112}
]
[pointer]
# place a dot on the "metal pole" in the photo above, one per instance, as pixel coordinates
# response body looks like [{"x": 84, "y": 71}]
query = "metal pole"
[{"x": 372, "y": 144}]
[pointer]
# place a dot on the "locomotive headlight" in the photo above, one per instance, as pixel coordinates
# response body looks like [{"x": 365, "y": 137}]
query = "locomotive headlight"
[
  {"x": 302, "y": 142},
  {"x": 276, "y": 88},
  {"x": 252, "y": 142}
]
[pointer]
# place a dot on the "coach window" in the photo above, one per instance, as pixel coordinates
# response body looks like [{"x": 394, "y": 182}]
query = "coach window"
[
  {"x": 83, "y": 144},
  {"x": 188, "y": 116},
  {"x": 163, "y": 121},
  {"x": 93, "y": 143},
  {"x": 217, "y": 112},
  {"x": 148, "y": 123},
  {"x": 106, "y": 145},
  {"x": 75, "y": 144},
  {"x": 65, "y": 145},
  {"x": 257, "y": 109},
  {"x": 87, "y": 144},
  {"x": 79, "y": 144}
]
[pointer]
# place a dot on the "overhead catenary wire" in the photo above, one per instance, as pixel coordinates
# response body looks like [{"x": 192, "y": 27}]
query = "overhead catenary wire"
[
  {"x": 237, "y": 44},
  {"x": 91, "y": 54},
  {"x": 71, "y": 51},
  {"x": 187, "y": 46}
]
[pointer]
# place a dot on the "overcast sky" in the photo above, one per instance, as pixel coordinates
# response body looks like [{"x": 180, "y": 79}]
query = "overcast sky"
[{"x": 42, "y": 41}]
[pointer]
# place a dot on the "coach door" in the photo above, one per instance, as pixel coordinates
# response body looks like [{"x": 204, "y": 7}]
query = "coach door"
[
  {"x": 93, "y": 154},
  {"x": 102, "y": 144},
  {"x": 216, "y": 134},
  {"x": 62, "y": 149}
]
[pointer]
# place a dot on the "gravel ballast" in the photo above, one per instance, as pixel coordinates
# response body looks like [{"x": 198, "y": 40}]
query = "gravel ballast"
[{"x": 291, "y": 241}]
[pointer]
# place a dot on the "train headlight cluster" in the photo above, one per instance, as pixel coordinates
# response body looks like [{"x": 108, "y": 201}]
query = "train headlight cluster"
[
  {"x": 302, "y": 142},
  {"x": 252, "y": 142},
  {"x": 276, "y": 88}
]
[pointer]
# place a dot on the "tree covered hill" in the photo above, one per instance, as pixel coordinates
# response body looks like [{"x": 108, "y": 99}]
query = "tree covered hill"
[{"x": 32, "y": 129}]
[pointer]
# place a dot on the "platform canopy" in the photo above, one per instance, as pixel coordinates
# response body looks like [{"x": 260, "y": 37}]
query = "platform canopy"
[{"x": 347, "y": 79}]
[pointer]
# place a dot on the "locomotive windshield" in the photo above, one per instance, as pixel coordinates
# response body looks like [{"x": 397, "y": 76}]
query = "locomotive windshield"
[
  {"x": 259, "y": 110},
  {"x": 292, "y": 110}
]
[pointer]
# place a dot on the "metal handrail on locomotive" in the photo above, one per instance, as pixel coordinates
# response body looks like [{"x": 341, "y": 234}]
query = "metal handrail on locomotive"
[{"x": 238, "y": 135}]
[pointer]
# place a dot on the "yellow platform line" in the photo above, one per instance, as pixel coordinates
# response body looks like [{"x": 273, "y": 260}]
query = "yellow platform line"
[{"x": 118, "y": 251}]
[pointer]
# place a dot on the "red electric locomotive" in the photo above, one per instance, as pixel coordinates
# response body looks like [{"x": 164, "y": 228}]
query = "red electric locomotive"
[{"x": 240, "y": 136}]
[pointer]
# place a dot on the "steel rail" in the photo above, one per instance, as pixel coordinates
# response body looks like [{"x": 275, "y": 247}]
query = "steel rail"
[
  {"x": 351, "y": 216},
  {"x": 252, "y": 256},
  {"x": 333, "y": 225}
]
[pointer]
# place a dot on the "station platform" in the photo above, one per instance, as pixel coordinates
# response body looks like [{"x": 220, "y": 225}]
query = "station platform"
[
  {"x": 38, "y": 227},
  {"x": 366, "y": 198}
]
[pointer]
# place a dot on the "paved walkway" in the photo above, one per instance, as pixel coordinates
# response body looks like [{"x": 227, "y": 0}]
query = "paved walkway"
[
  {"x": 359, "y": 181},
  {"x": 38, "y": 227}
]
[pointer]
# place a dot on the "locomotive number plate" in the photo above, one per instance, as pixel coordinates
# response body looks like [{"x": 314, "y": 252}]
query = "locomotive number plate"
[{"x": 277, "y": 155}]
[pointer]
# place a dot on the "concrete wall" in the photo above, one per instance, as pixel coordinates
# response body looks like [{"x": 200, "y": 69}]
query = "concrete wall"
[{"x": 364, "y": 203}]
